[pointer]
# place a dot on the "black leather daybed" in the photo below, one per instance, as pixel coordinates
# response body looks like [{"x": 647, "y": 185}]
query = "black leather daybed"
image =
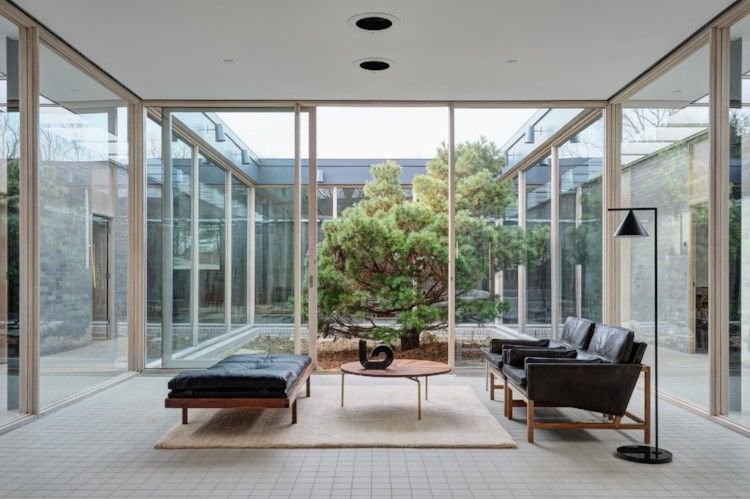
[{"x": 256, "y": 381}]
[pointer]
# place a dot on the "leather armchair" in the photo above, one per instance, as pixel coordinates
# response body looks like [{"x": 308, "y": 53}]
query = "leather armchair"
[{"x": 600, "y": 378}]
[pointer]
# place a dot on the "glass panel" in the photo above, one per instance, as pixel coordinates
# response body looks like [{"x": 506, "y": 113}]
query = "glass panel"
[
  {"x": 274, "y": 270},
  {"x": 211, "y": 250},
  {"x": 510, "y": 273},
  {"x": 739, "y": 224},
  {"x": 665, "y": 153},
  {"x": 83, "y": 186},
  {"x": 580, "y": 224},
  {"x": 240, "y": 213},
  {"x": 382, "y": 264},
  {"x": 490, "y": 242},
  {"x": 538, "y": 283},
  {"x": 182, "y": 333},
  {"x": 154, "y": 221},
  {"x": 10, "y": 360}
]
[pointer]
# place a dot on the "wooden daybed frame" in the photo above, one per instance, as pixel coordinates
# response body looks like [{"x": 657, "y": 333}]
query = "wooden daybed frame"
[{"x": 244, "y": 402}]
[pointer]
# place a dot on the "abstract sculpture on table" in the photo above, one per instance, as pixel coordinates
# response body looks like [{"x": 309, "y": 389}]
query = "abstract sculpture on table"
[{"x": 377, "y": 351}]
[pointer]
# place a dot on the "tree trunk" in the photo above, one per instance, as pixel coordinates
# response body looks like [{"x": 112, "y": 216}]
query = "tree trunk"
[{"x": 410, "y": 340}]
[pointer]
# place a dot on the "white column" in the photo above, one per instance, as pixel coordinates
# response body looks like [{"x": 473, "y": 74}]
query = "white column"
[
  {"x": 167, "y": 238},
  {"x": 136, "y": 239},
  {"x": 451, "y": 237},
  {"x": 195, "y": 260},
  {"x": 521, "y": 293},
  {"x": 718, "y": 222},
  {"x": 312, "y": 239},
  {"x": 555, "y": 240},
  {"x": 29, "y": 222},
  {"x": 297, "y": 232},
  {"x": 611, "y": 298},
  {"x": 251, "y": 256}
]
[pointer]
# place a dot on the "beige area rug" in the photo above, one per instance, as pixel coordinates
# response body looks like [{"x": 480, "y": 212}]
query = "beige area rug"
[{"x": 374, "y": 416}]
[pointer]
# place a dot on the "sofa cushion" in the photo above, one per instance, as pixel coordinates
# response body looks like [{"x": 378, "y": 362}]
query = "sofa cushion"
[
  {"x": 611, "y": 343},
  {"x": 577, "y": 332},
  {"x": 517, "y": 356},
  {"x": 517, "y": 375},
  {"x": 497, "y": 344},
  {"x": 495, "y": 359},
  {"x": 257, "y": 373}
]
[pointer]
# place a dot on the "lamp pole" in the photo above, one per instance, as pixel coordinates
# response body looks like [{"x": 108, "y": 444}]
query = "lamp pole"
[{"x": 631, "y": 227}]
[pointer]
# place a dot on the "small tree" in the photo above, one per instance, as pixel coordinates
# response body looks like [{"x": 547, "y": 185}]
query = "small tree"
[{"x": 383, "y": 265}]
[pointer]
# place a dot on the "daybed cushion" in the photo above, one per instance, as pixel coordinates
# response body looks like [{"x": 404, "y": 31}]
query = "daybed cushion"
[{"x": 254, "y": 375}]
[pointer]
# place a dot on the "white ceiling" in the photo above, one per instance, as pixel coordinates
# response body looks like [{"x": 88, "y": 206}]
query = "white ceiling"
[{"x": 444, "y": 49}]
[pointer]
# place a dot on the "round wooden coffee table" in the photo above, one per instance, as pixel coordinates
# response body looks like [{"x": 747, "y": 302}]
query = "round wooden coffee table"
[{"x": 400, "y": 368}]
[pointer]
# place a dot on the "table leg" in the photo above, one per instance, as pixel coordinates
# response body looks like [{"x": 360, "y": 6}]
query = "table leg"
[
  {"x": 426, "y": 387},
  {"x": 342, "y": 388},
  {"x": 419, "y": 399},
  {"x": 419, "y": 395}
]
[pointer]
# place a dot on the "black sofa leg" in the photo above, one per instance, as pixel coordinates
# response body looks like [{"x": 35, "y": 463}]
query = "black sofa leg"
[
  {"x": 307, "y": 386},
  {"x": 184, "y": 415},
  {"x": 294, "y": 412}
]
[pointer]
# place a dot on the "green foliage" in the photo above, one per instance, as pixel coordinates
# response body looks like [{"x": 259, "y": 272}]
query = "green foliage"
[{"x": 383, "y": 265}]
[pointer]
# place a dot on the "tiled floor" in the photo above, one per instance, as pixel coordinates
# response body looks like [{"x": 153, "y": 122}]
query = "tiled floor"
[{"x": 102, "y": 447}]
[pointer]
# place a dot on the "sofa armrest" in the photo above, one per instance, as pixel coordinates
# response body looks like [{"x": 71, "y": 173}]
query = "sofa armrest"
[
  {"x": 593, "y": 386},
  {"x": 497, "y": 344},
  {"x": 516, "y": 356}
]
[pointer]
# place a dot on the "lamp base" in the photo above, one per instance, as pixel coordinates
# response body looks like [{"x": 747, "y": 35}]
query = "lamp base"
[{"x": 644, "y": 454}]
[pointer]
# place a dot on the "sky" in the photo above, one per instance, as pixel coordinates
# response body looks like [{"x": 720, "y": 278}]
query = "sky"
[{"x": 373, "y": 132}]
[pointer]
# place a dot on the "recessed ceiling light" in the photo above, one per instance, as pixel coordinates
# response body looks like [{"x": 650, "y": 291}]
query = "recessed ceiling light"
[
  {"x": 677, "y": 91},
  {"x": 373, "y": 21},
  {"x": 74, "y": 90},
  {"x": 512, "y": 61},
  {"x": 374, "y": 64},
  {"x": 228, "y": 61}
]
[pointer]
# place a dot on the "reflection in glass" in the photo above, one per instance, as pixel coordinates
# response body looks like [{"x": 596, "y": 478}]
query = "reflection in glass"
[
  {"x": 538, "y": 283},
  {"x": 665, "y": 157},
  {"x": 83, "y": 230},
  {"x": 739, "y": 225},
  {"x": 10, "y": 359},
  {"x": 580, "y": 221}
]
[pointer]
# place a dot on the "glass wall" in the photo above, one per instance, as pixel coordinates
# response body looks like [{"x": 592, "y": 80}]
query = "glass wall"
[
  {"x": 665, "y": 154},
  {"x": 83, "y": 230},
  {"x": 226, "y": 224},
  {"x": 538, "y": 268},
  {"x": 739, "y": 223},
  {"x": 580, "y": 224},
  {"x": 10, "y": 360}
]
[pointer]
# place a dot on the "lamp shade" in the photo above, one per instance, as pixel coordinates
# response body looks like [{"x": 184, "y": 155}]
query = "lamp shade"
[{"x": 630, "y": 227}]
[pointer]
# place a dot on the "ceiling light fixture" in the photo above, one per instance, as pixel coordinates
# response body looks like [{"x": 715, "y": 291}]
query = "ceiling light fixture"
[
  {"x": 373, "y": 21},
  {"x": 228, "y": 61},
  {"x": 374, "y": 65},
  {"x": 512, "y": 61}
]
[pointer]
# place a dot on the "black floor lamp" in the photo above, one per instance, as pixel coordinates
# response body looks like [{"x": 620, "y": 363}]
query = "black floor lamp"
[{"x": 631, "y": 227}]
